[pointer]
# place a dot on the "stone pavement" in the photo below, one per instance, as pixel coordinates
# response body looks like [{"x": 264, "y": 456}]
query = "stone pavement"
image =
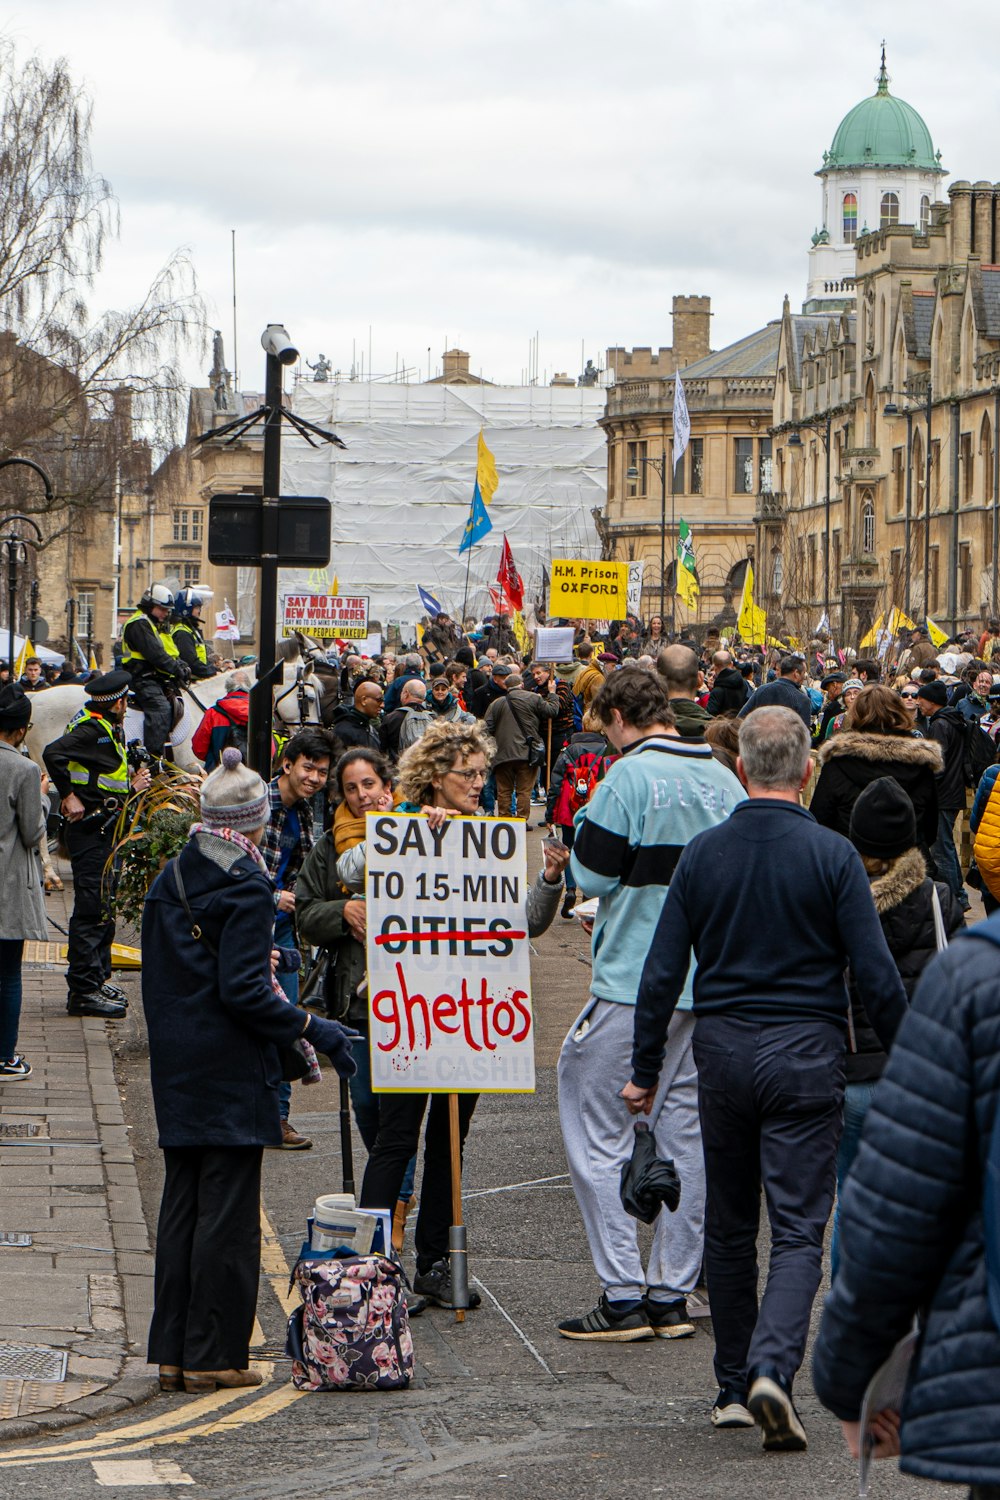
[{"x": 75, "y": 1263}]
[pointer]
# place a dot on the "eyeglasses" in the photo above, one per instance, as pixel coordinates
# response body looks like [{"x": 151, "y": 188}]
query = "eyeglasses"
[
  {"x": 910, "y": 697},
  {"x": 468, "y": 776}
]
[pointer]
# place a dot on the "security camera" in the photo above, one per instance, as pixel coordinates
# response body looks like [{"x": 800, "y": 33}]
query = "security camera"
[{"x": 274, "y": 340}]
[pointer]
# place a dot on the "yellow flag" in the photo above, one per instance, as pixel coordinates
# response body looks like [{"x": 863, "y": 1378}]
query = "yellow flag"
[
  {"x": 752, "y": 622},
  {"x": 687, "y": 583},
  {"x": 898, "y": 621},
  {"x": 93, "y": 662},
  {"x": 520, "y": 630},
  {"x": 936, "y": 634},
  {"x": 872, "y": 637},
  {"x": 486, "y": 471},
  {"x": 22, "y": 656},
  {"x": 335, "y": 587}
]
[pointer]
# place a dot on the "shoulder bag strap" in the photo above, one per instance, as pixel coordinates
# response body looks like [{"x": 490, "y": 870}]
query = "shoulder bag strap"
[
  {"x": 940, "y": 936},
  {"x": 196, "y": 931}
]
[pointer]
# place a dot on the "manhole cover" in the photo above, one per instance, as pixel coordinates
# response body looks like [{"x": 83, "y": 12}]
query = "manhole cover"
[
  {"x": 19, "y": 1130},
  {"x": 32, "y": 1362}
]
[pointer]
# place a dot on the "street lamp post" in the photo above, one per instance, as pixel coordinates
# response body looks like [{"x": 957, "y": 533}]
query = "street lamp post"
[{"x": 660, "y": 466}]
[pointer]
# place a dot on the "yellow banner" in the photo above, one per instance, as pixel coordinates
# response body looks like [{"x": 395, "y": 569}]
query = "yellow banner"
[
  {"x": 871, "y": 638},
  {"x": 936, "y": 634},
  {"x": 588, "y": 590},
  {"x": 752, "y": 622},
  {"x": 22, "y": 658}
]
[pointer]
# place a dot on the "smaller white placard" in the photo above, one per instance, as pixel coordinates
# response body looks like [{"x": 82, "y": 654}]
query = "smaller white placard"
[{"x": 554, "y": 643}]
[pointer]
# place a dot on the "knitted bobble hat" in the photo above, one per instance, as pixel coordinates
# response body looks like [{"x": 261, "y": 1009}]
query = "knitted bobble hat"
[{"x": 234, "y": 796}]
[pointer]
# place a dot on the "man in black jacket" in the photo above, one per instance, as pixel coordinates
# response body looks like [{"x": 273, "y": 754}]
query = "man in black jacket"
[
  {"x": 729, "y": 690},
  {"x": 359, "y": 725},
  {"x": 947, "y": 726},
  {"x": 89, "y": 770},
  {"x": 785, "y": 692},
  {"x": 769, "y": 1044}
]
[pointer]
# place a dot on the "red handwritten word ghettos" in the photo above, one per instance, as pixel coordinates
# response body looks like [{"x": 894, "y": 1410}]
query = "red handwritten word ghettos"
[{"x": 479, "y": 1018}]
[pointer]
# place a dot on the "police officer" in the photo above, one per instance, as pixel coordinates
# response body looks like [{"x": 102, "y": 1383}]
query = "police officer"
[
  {"x": 89, "y": 770},
  {"x": 187, "y": 634},
  {"x": 153, "y": 662}
]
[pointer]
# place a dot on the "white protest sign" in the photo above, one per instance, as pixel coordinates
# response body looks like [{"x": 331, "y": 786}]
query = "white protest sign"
[
  {"x": 634, "y": 596},
  {"x": 449, "y": 981},
  {"x": 325, "y": 616},
  {"x": 554, "y": 643}
]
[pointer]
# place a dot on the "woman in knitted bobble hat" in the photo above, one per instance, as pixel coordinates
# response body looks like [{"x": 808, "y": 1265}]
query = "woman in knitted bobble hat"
[{"x": 215, "y": 1028}]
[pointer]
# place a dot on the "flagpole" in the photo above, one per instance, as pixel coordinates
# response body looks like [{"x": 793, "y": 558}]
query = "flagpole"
[
  {"x": 673, "y": 543},
  {"x": 468, "y": 560}
]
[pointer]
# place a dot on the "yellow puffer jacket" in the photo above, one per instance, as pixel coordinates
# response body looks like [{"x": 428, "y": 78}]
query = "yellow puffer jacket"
[{"x": 986, "y": 840}]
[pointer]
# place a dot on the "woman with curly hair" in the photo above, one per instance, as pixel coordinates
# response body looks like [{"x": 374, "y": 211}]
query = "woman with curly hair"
[{"x": 440, "y": 776}]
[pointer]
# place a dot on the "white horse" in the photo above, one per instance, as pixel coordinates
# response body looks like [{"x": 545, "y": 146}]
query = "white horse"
[{"x": 298, "y": 695}]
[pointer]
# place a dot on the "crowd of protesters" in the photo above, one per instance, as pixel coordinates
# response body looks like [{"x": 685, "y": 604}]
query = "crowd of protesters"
[{"x": 847, "y": 1068}]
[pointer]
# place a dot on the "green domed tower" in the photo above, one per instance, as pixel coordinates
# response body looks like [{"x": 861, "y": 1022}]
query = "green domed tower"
[{"x": 881, "y": 169}]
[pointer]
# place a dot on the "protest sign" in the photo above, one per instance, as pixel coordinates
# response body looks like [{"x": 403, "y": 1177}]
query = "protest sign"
[
  {"x": 449, "y": 982},
  {"x": 634, "y": 599},
  {"x": 584, "y": 590},
  {"x": 325, "y": 616},
  {"x": 554, "y": 643}
]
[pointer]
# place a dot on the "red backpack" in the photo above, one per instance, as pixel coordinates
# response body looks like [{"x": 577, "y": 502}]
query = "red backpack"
[{"x": 579, "y": 782}]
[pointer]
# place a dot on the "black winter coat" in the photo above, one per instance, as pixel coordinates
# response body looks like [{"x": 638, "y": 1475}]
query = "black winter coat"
[
  {"x": 903, "y": 902},
  {"x": 729, "y": 692},
  {"x": 214, "y": 1023},
  {"x": 852, "y": 760},
  {"x": 947, "y": 727},
  {"x": 911, "y": 1227},
  {"x": 354, "y": 729}
]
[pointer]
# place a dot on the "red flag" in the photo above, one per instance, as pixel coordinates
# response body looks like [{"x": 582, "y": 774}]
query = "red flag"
[
  {"x": 501, "y": 603},
  {"x": 509, "y": 578}
]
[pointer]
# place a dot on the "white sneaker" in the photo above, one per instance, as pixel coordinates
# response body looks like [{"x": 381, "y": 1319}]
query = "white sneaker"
[
  {"x": 729, "y": 1411},
  {"x": 772, "y": 1409}
]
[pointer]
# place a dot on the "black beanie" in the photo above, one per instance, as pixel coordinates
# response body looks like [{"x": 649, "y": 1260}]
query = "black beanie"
[
  {"x": 15, "y": 708},
  {"x": 883, "y": 823},
  {"x": 933, "y": 692}
]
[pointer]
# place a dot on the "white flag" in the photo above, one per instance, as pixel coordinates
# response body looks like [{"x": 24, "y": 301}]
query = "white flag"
[{"x": 682, "y": 421}]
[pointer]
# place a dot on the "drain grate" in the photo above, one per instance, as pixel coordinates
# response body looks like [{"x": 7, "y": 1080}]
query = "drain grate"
[
  {"x": 32, "y": 1362},
  {"x": 13, "y": 1238},
  {"x": 19, "y": 1130}
]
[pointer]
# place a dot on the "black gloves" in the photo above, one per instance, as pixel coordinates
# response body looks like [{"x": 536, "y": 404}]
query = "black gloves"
[{"x": 334, "y": 1040}]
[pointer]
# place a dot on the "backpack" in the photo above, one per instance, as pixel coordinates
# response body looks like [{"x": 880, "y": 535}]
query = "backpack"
[
  {"x": 979, "y": 751},
  {"x": 352, "y": 1332},
  {"x": 578, "y": 712},
  {"x": 582, "y": 778},
  {"x": 236, "y": 735}
]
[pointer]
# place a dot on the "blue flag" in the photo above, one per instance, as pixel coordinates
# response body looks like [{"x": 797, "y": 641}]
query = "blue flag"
[
  {"x": 478, "y": 524},
  {"x": 430, "y": 604}
]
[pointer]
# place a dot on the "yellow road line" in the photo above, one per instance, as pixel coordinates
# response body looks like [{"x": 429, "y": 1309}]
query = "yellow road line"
[{"x": 179, "y": 1425}]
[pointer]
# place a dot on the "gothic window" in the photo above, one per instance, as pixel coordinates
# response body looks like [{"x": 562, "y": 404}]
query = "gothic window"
[
  {"x": 743, "y": 477},
  {"x": 968, "y": 473},
  {"x": 766, "y": 467},
  {"x": 898, "y": 478},
  {"x": 777, "y": 571},
  {"x": 890, "y": 210},
  {"x": 965, "y": 575},
  {"x": 696, "y": 447},
  {"x": 986, "y": 448},
  {"x": 925, "y": 214},
  {"x": 850, "y": 218},
  {"x": 867, "y": 524}
]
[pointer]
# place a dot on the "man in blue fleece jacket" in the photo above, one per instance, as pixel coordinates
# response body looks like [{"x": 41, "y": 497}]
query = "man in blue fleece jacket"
[
  {"x": 629, "y": 836},
  {"x": 773, "y": 907}
]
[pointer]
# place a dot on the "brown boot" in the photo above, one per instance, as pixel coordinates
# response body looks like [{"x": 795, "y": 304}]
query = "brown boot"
[
  {"x": 291, "y": 1140},
  {"x": 404, "y": 1206},
  {"x": 171, "y": 1378},
  {"x": 198, "y": 1382}
]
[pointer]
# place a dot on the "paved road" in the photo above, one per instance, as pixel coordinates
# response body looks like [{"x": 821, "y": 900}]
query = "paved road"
[{"x": 502, "y": 1404}]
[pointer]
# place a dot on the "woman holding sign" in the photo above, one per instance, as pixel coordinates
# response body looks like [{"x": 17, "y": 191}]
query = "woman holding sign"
[{"x": 440, "y": 776}]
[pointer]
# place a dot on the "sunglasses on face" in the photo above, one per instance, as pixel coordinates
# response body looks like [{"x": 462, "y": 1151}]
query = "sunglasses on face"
[{"x": 910, "y": 697}]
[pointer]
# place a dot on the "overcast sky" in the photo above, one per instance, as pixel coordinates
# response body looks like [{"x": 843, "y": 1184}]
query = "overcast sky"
[{"x": 452, "y": 170}]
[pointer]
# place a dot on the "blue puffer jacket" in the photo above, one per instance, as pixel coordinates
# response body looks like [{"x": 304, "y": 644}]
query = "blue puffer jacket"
[{"x": 912, "y": 1230}]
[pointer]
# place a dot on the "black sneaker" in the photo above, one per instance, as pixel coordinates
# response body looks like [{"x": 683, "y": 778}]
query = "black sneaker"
[
  {"x": 95, "y": 1005},
  {"x": 771, "y": 1406},
  {"x": 435, "y": 1285},
  {"x": 15, "y": 1067},
  {"x": 730, "y": 1409},
  {"x": 669, "y": 1320},
  {"x": 112, "y": 992},
  {"x": 569, "y": 901},
  {"x": 611, "y": 1326}
]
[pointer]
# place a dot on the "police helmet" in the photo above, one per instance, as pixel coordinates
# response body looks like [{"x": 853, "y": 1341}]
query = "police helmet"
[
  {"x": 157, "y": 594},
  {"x": 186, "y": 602}
]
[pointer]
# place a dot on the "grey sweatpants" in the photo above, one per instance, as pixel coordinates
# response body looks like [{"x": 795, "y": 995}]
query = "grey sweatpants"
[{"x": 594, "y": 1065}]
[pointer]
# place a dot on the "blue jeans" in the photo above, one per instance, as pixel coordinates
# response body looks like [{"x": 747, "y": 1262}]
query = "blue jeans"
[
  {"x": 945, "y": 855},
  {"x": 284, "y": 937},
  {"x": 488, "y": 795},
  {"x": 11, "y": 950},
  {"x": 568, "y": 834},
  {"x": 857, "y": 1098},
  {"x": 366, "y": 1110}
]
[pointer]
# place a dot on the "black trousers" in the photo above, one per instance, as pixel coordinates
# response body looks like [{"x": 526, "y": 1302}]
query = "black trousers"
[
  {"x": 400, "y": 1116},
  {"x": 207, "y": 1258},
  {"x": 158, "y": 714},
  {"x": 92, "y": 924},
  {"x": 770, "y": 1096}
]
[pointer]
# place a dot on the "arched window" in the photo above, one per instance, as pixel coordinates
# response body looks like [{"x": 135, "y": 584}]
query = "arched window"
[
  {"x": 867, "y": 524},
  {"x": 777, "y": 571},
  {"x": 850, "y": 209},
  {"x": 925, "y": 214},
  {"x": 986, "y": 450},
  {"x": 890, "y": 209}
]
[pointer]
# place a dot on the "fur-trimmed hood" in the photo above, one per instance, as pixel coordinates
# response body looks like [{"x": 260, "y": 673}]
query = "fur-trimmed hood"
[
  {"x": 906, "y": 874},
  {"x": 901, "y": 749}
]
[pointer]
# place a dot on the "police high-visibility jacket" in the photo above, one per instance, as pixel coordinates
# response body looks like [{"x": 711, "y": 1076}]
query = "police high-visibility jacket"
[
  {"x": 148, "y": 648},
  {"x": 90, "y": 760},
  {"x": 191, "y": 648}
]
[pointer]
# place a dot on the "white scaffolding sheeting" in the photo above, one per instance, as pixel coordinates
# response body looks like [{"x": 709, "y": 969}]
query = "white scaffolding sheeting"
[{"x": 401, "y": 491}]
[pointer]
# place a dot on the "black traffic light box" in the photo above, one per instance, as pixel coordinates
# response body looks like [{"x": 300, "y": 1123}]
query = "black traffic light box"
[{"x": 235, "y": 527}]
